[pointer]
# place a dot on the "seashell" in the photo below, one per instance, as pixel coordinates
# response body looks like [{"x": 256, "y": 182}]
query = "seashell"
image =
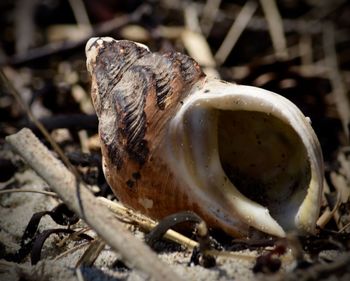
[{"x": 172, "y": 139}]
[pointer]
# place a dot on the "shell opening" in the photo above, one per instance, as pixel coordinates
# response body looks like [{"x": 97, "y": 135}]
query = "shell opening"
[
  {"x": 242, "y": 155},
  {"x": 265, "y": 160}
]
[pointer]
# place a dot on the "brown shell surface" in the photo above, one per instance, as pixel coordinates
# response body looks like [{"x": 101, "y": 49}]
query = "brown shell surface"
[{"x": 141, "y": 91}]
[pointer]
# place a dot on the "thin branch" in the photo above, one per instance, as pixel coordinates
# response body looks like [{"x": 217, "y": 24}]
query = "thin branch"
[{"x": 95, "y": 214}]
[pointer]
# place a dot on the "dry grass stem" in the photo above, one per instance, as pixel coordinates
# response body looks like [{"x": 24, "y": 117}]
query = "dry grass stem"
[
  {"x": 92, "y": 253},
  {"x": 48, "y": 193},
  {"x": 146, "y": 223},
  {"x": 329, "y": 214},
  {"x": 196, "y": 44},
  {"x": 275, "y": 24},
  {"x": 339, "y": 88},
  {"x": 71, "y": 250},
  {"x": 80, "y": 13},
  {"x": 305, "y": 48},
  {"x": 235, "y": 31},
  {"x": 208, "y": 16},
  {"x": 72, "y": 236}
]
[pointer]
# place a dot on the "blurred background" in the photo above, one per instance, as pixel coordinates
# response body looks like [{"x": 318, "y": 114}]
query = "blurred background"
[{"x": 297, "y": 48}]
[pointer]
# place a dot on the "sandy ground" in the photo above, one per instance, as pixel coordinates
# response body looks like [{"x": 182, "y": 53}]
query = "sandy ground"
[{"x": 16, "y": 210}]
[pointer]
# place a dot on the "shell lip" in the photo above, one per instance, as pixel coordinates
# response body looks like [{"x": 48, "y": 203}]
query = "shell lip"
[{"x": 194, "y": 169}]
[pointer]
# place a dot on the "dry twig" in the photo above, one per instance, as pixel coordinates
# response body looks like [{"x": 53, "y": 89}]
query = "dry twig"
[{"x": 79, "y": 199}]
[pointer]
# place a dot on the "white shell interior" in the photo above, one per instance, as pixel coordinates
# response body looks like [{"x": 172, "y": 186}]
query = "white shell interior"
[{"x": 248, "y": 154}]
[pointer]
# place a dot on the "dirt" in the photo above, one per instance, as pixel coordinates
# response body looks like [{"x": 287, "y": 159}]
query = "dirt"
[{"x": 58, "y": 262}]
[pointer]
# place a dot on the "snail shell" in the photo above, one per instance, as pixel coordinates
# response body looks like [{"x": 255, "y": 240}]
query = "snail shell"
[{"x": 173, "y": 139}]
